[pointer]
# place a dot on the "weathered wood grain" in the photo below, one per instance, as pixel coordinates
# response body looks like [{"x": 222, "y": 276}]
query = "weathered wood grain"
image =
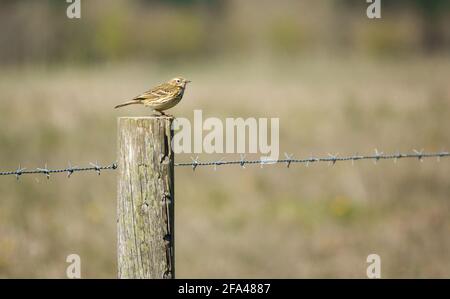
[{"x": 145, "y": 198}]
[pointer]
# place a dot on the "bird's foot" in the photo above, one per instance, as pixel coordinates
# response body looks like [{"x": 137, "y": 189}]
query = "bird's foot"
[{"x": 160, "y": 113}]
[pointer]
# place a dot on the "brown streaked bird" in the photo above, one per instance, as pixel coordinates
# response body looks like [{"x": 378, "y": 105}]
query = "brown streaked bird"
[{"x": 161, "y": 97}]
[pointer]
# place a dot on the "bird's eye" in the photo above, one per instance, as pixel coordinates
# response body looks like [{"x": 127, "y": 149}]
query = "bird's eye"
[{"x": 178, "y": 80}]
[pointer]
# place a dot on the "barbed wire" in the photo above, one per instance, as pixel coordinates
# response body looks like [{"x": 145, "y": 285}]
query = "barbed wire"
[
  {"x": 331, "y": 159},
  {"x": 69, "y": 170},
  {"x": 289, "y": 159}
]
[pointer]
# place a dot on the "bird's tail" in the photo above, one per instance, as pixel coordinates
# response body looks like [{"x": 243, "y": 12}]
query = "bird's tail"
[{"x": 127, "y": 103}]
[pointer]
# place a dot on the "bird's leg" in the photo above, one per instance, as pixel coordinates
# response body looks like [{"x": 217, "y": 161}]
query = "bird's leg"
[
  {"x": 164, "y": 114},
  {"x": 157, "y": 113}
]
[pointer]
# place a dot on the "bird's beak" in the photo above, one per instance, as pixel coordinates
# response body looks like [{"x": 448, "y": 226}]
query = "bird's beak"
[{"x": 188, "y": 81}]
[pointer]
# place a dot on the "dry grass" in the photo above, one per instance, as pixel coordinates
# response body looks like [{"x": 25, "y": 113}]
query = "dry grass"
[{"x": 272, "y": 222}]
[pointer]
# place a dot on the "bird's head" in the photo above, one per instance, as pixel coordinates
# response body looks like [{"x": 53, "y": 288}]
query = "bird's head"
[{"x": 179, "y": 81}]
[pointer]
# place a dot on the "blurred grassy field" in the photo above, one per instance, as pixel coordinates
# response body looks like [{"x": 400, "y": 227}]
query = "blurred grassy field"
[{"x": 273, "y": 222}]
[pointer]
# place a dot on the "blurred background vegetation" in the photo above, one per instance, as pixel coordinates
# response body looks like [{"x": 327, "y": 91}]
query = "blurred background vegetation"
[
  {"x": 338, "y": 81},
  {"x": 174, "y": 30}
]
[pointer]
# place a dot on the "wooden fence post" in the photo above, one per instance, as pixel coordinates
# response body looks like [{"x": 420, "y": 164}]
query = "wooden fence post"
[{"x": 145, "y": 198}]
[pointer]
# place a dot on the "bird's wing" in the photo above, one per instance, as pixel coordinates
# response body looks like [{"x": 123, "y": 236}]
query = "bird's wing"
[{"x": 157, "y": 92}]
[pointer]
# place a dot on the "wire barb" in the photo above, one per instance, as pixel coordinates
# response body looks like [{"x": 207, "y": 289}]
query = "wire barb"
[
  {"x": 44, "y": 171},
  {"x": 19, "y": 172},
  {"x": 70, "y": 170},
  {"x": 242, "y": 161},
  {"x": 288, "y": 159},
  {"x": 419, "y": 154},
  {"x": 378, "y": 156},
  {"x": 96, "y": 167},
  {"x": 195, "y": 163},
  {"x": 333, "y": 158}
]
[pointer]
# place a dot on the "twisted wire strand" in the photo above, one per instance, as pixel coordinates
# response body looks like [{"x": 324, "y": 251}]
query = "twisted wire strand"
[
  {"x": 69, "y": 170},
  {"x": 332, "y": 159},
  {"x": 288, "y": 160}
]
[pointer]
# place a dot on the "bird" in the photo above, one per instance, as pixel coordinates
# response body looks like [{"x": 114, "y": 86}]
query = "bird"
[{"x": 161, "y": 97}]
